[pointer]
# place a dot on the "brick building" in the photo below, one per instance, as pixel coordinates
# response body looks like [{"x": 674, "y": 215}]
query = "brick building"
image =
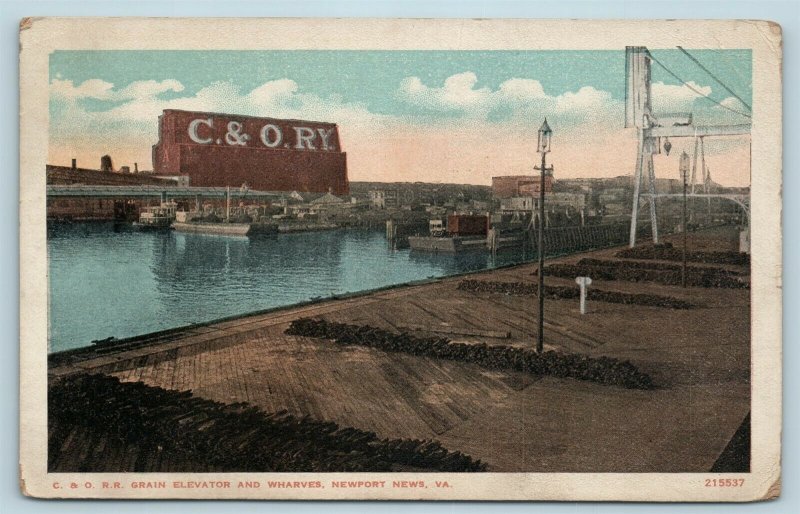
[
  {"x": 510, "y": 186},
  {"x": 65, "y": 175},
  {"x": 267, "y": 154}
]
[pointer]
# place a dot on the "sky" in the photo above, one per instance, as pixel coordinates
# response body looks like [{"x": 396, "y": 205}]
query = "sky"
[{"x": 432, "y": 116}]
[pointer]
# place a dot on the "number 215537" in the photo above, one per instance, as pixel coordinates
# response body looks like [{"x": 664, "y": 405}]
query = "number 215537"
[{"x": 724, "y": 482}]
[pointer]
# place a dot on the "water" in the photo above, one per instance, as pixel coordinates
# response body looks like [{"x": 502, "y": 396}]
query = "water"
[{"x": 109, "y": 280}]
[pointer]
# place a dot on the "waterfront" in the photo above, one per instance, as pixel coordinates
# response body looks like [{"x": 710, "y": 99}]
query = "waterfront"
[
  {"x": 107, "y": 280},
  {"x": 403, "y": 392}
]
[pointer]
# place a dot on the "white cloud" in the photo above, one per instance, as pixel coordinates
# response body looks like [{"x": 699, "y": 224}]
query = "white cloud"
[
  {"x": 734, "y": 103},
  {"x": 521, "y": 89},
  {"x": 273, "y": 92},
  {"x": 142, "y": 101},
  {"x": 587, "y": 100},
  {"x": 705, "y": 111},
  {"x": 457, "y": 93},
  {"x": 515, "y": 99},
  {"x": 148, "y": 89},
  {"x": 97, "y": 89},
  {"x": 667, "y": 98},
  {"x": 92, "y": 88}
]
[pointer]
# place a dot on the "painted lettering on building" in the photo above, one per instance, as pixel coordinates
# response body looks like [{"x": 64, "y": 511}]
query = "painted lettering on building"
[{"x": 202, "y": 131}]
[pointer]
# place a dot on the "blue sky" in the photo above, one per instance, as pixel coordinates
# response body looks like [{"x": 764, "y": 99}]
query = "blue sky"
[{"x": 438, "y": 101}]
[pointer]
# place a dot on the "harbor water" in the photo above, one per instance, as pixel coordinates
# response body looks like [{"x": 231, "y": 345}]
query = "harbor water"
[{"x": 109, "y": 280}]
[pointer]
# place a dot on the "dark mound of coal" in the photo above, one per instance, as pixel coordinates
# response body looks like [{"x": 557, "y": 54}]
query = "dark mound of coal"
[
  {"x": 564, "y": 292},
  {"x": 188, "y": 432},
  {"x": 655, "y": 265},
  {"x": 710, "y": 278},
  {"x": 602, "y": 370},
  {"x": 666, "y": 252}
]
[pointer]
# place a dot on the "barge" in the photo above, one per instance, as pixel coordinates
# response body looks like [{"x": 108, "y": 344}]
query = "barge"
[
  {"x": 447, "y": 244},
  {"x": 463, "y": 232},
  {"x": 291, "y": 226}
]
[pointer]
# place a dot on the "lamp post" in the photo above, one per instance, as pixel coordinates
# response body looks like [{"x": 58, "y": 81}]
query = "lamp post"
[
  {"x": 684, "y": 169},
  {"x": 542, "y": 148}
]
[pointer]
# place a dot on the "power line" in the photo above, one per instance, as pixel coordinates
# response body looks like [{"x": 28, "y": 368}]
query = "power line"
[
  {"x": 729, "y": 90},
  {"x": 699, "y": 93}
]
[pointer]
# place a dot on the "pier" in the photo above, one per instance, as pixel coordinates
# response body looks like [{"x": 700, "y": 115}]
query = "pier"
[{"x": 698, "y": 358}]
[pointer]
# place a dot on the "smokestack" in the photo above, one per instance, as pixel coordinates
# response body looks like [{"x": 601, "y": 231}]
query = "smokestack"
[
  {"x": 106, "y": 164},
  {"x": 136, "y": 167},
  {"x": 74, "y": 164}
]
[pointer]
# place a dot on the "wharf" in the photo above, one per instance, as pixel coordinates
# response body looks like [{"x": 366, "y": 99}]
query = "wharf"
[{"x": 699, "y": 359}]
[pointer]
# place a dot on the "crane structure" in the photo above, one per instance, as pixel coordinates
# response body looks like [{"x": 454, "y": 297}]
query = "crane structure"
[{"x": 652, "y": 128}]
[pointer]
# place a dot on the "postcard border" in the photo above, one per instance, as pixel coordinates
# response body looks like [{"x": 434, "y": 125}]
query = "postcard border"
[{"x": 38, "y": 37}]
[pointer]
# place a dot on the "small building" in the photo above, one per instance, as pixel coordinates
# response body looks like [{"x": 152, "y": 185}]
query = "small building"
[
  {"x": 576, "y": 201},
  {"x": 328, "y": 199},
  {"x": 479, "y": 205},
  {"x": 301, "y": 197},
  {"x": 517, "y": 204},
  {"x": 384, "y": 198},
  {"x": 553, "y": 201}
]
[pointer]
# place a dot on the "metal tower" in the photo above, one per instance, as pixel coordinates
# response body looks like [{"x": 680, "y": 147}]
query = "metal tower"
[{"x": 651, "y": 129}]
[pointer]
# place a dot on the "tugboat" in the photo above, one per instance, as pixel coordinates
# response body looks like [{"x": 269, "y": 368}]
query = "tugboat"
[{"x": 159, "y": 217}]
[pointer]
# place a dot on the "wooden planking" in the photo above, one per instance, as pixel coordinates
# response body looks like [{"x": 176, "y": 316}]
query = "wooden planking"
[
  {"x": 456, "y": 331},
  {"x": 391, "y": 394}
]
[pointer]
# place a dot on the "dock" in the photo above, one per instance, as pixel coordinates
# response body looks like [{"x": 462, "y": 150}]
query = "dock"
[{"x": 698, "y": 358}]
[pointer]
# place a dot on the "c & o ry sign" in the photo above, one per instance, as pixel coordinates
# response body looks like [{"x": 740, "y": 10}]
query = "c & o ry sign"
[{"x": 201, "y": 131}]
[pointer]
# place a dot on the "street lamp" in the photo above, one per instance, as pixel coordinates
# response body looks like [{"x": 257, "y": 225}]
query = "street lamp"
[
  {"x": 544, "y": 138},
  {"x": 684, "y": 170},
  {"x": 543, "y": 147}
]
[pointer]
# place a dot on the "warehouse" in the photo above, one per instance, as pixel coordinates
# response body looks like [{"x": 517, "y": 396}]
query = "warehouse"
[{"x": 267, "y": 154}]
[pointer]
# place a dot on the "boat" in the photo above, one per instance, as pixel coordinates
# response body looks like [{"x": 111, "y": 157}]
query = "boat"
[
  {"x": 447, "y": 244},
  {"x": 158, "y": 217},
  {"x": 236, "y": 223},
  {"x": 462, "y": 233},
  {"x": 224, "y": 228}
]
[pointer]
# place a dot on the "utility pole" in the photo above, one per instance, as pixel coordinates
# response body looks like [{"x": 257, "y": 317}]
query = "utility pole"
[
  {"x": 543, "y": 148},
  {"x": 228, "y": 204}
]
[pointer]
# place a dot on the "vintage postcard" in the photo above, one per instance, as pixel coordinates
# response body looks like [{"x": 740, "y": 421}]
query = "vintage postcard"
[{"x": 400, "y": 259}]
